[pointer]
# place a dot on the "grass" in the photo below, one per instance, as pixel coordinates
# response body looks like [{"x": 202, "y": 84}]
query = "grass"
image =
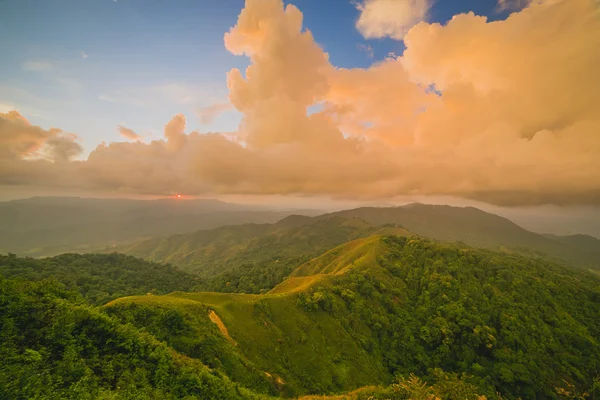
[{"x": 292, "y": 346}]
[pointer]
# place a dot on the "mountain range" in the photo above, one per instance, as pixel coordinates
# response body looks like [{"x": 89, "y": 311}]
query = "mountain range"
[
  {"x": 236, "y": 251},
  {"x": 45, "y": 226}
]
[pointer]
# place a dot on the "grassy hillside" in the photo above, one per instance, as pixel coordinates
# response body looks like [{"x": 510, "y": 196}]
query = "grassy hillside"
[
  {"x": 379, "y": 307},
  {"x": 254, "y": 257},
  {"x": 48, "y": 226}
]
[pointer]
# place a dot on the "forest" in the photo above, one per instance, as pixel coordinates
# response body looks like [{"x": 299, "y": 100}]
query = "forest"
[{"x": 384, "y": 317}]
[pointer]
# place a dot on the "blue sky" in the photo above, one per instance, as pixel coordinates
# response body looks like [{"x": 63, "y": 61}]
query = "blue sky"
[{"x": 89, "y": 66}]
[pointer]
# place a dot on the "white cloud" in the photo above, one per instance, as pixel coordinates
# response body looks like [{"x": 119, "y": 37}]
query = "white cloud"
[{"x": 389, "y": 18}]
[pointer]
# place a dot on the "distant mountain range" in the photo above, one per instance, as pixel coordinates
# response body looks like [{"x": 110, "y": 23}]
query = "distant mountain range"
[
  {"x": 44, "y": 226},
  {"x": 224, "y": 236}
]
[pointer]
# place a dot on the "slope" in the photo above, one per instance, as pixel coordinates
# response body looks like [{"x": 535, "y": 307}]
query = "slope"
[
  {"x": 381, "y": 306},
  {"x": 475, "y": 228},
  {"x": 100, "y": 277},
  {"x": 53, "y": 347},
  {"x": 254, "y": 257}
]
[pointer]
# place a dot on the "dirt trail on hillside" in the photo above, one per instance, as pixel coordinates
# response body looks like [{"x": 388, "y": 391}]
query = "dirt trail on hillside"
[{"x": 217, "y": 321}]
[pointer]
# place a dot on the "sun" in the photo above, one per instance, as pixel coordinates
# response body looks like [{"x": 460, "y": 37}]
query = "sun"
[{"x": 178, "y": 196}]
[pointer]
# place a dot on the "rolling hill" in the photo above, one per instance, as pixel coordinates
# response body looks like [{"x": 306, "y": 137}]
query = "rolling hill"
[
  {"x": 254, "y": 257},
  {"x": 478, "y": 228},
  {"x": 382, "y": 306}
]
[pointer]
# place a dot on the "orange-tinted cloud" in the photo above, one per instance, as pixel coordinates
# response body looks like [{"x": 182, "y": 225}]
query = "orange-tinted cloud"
[
  {"x": 504, "y": 111},
  {"x": 129, "y": 134}
]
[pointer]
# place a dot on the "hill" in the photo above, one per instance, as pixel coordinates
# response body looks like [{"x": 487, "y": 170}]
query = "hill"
[
  {"x": 100, "y": 278},
  {"x": 383, "y": 306},
  {"x": 477, "y": 228},
  {"x": 54, "y": 347},
  {"x": 46, "y": 226},
  {"x": 254, "y": 257}
]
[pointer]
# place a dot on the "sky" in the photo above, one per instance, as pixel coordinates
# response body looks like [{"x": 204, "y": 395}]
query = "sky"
[
  {"x": 91, "y": 66},
  {"x": 489, "y": 101}
]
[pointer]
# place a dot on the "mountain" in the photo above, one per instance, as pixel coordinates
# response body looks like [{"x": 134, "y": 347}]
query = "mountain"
[
  {"x": 43, "y": 226},
  {"x": 254, "y": 257},
  {"x": 584, "y": 243},
  {"x": 477, "y": 228},
  {"x": 383, "y": 306}
]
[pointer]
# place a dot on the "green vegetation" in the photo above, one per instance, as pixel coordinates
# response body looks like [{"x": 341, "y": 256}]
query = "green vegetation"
[
  {"x": 478, "y": 228},
  {"x": 54, "y": 347},
  {"x": 253, "y": 258},
  {"x": 100, "y": 277},
  {"x": 382, "y": 307}
]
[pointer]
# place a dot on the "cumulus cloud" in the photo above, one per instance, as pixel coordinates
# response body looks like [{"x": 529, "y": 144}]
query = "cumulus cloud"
[
  {"x": 505, "y": 112},
  {"x": 129, "y": 134},
  {"x": 389, "y": 18},
  {"x": 20, "y": 140}
]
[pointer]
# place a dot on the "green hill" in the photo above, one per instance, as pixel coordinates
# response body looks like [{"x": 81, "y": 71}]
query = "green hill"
[
  {"x": 100, "y": 278},
  {"x": 54, "y": 347},
  {"x": 379, "y": 307},
  {"x": 477, "y": 228},
  {"x": 254, "y": 257}
]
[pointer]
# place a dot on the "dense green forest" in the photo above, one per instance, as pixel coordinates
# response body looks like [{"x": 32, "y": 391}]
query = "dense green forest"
[
  {"x": 381, "y": 317},
  {"x": 53, "y": 346},
  {"x": 100, "y": 277},
  {"x": 396, "y": 306}
]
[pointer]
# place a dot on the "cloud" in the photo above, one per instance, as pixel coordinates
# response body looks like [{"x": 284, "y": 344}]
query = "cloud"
[
  {"x": 20, "y": 141},
  {"x": 504, "y": 112},
  {"x": 511, "y": 5},
  {"x": 84, "y": 55},
  {"x": 209, "y": 113},
  {"x": 37, "y": 66},
  {"x": 5, "y": 108},
  {"x": 129, "y": 134},
  {"x": 389, "y": 18}
]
